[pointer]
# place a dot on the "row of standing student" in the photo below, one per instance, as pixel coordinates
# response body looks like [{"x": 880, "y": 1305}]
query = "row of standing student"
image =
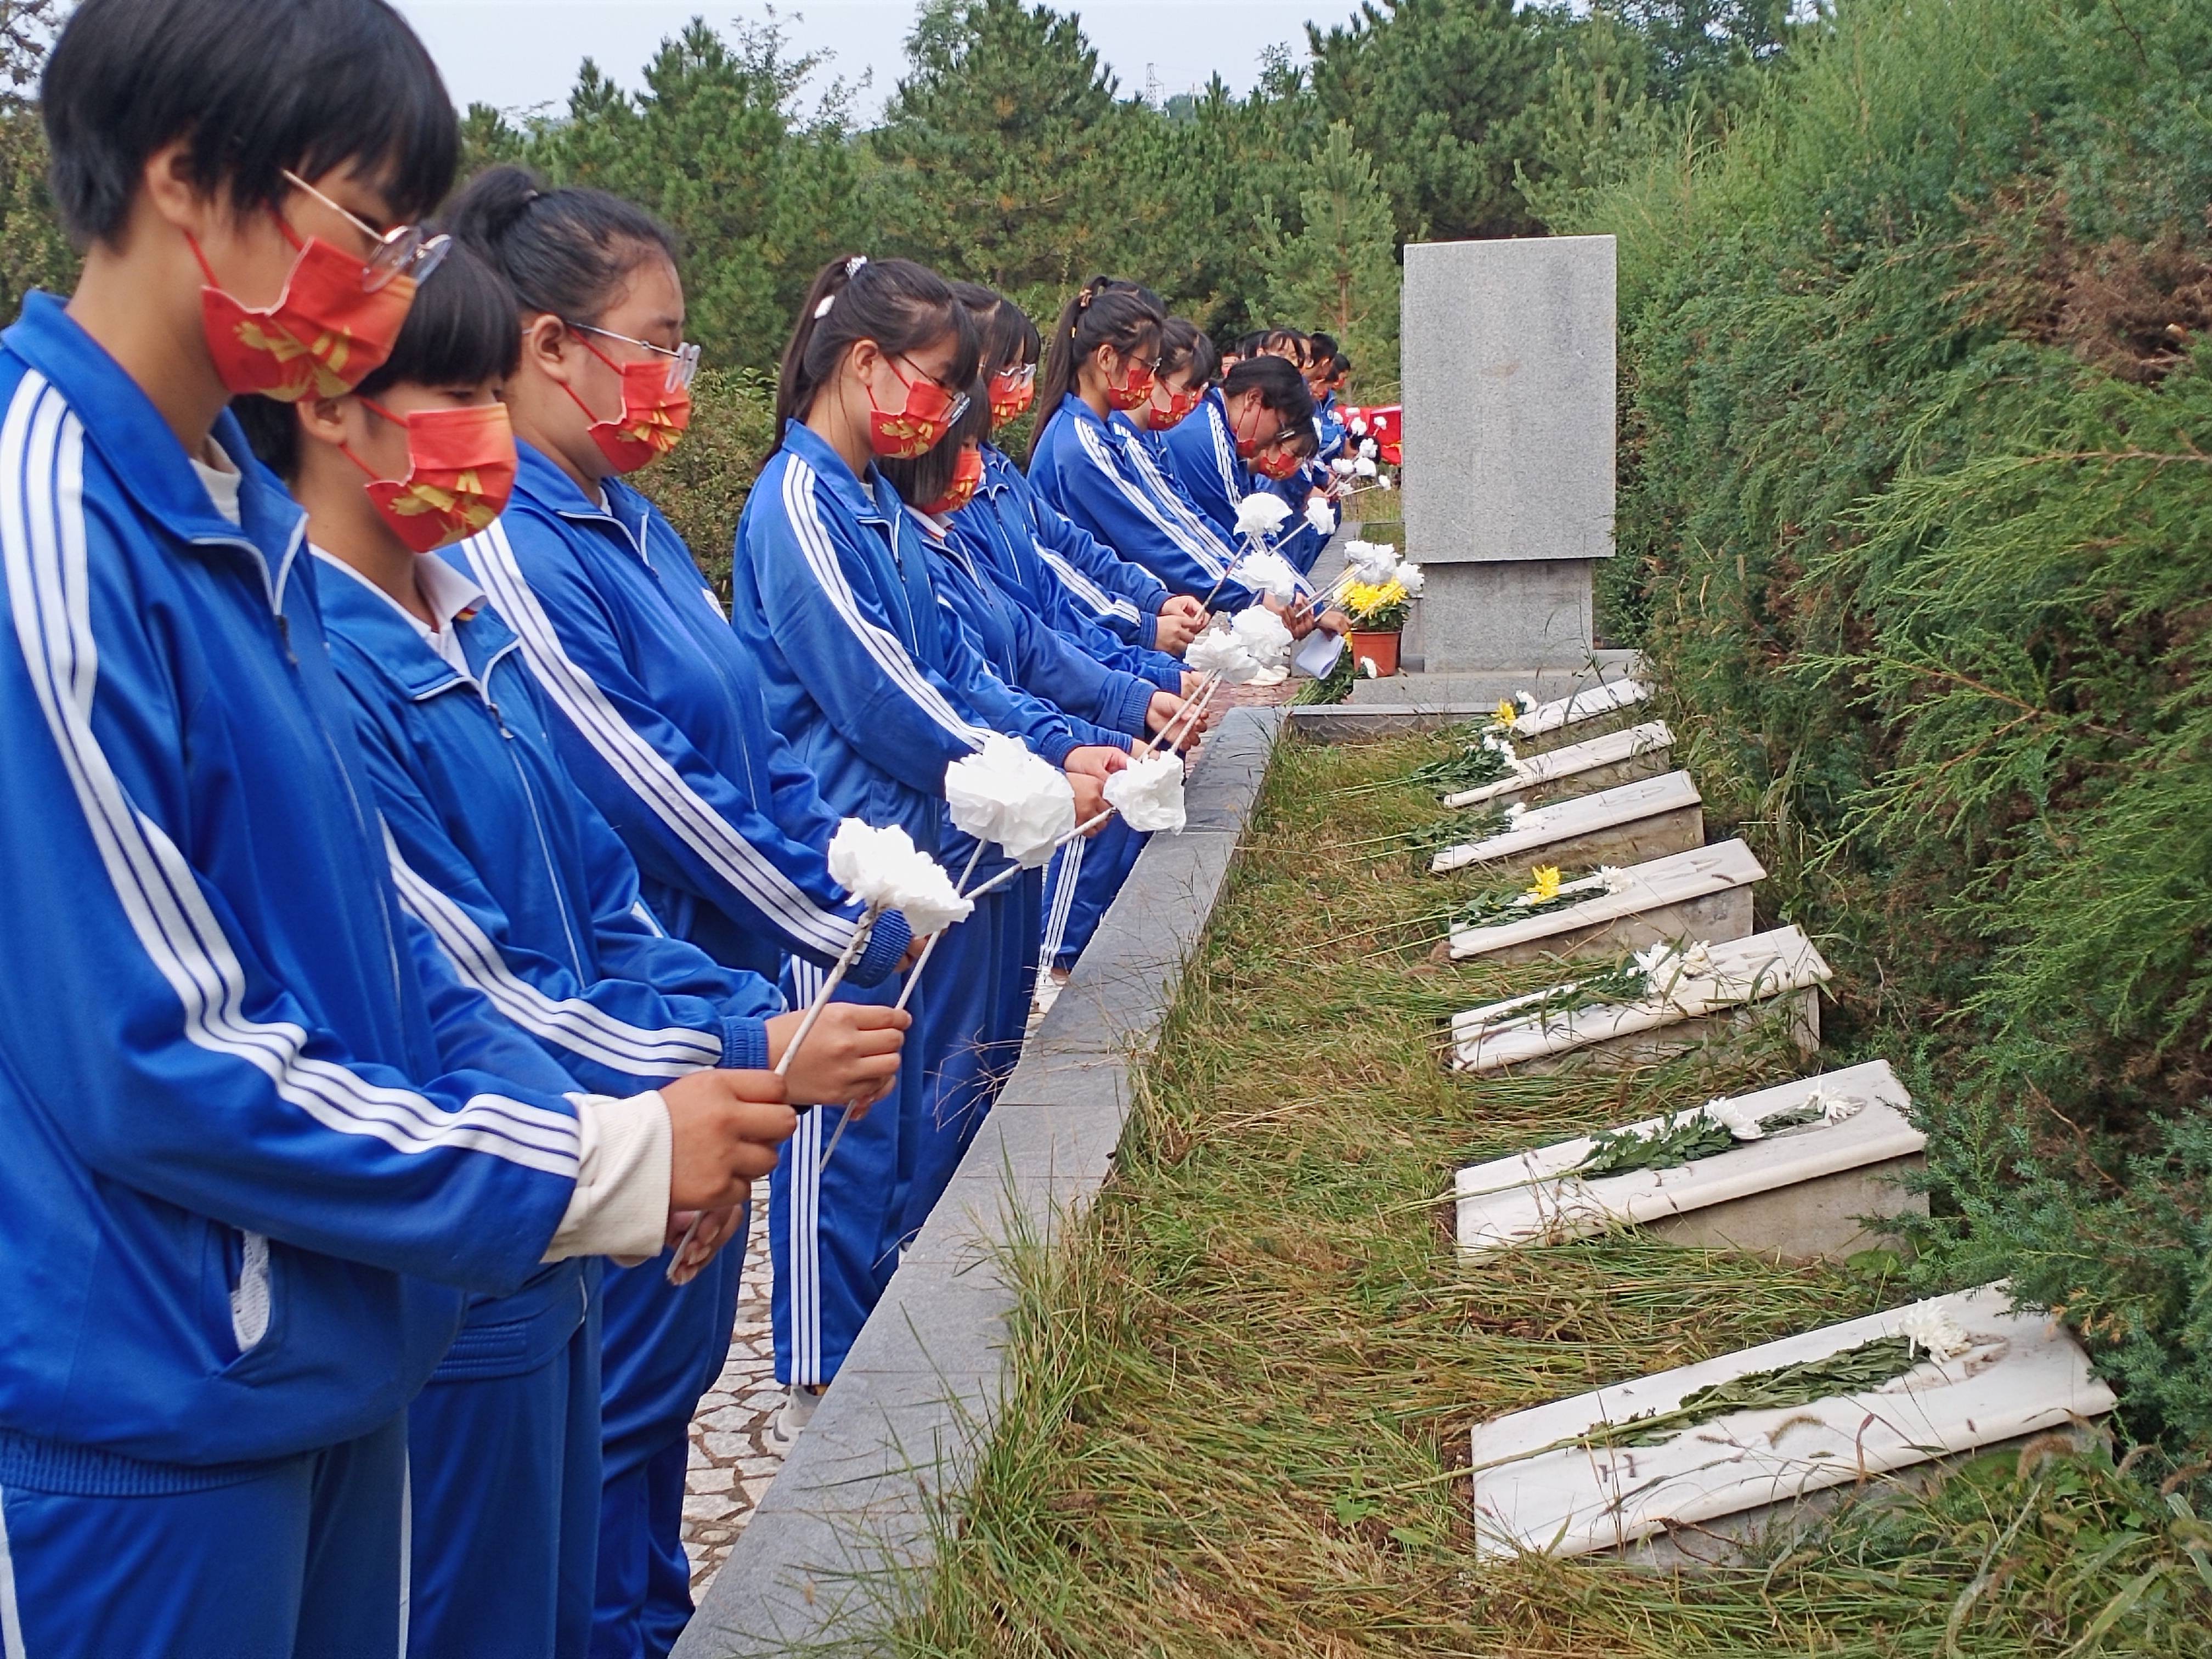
[{"x": 406, "y": 934}]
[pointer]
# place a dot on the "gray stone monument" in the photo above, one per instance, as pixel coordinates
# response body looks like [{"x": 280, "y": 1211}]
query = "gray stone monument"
[{"x": 1509, "y": 473}]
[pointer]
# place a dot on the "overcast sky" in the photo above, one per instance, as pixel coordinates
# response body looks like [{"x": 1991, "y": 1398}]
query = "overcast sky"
[{"x": 521, "y": 53}]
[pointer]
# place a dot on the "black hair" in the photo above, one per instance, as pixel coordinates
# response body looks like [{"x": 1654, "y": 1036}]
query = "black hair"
[
  {"x": 1007, "y": 338},
  {"x": 254, "y": 88},
  {"x": 460, "y": 331},
  {"x": 1320, "y": 345},
  {"x": 1283, "y": 392},
  {"x": 903, "y": 306},
  {"x": 570, "y": 251},
  {"x": 1248, "y": 345},
  {"x": 923, "y": 478},
  {"x": 1184, "y": 346},
  {"x": 1339, "y": 365},
  {"x": 1105, "y": 312}
]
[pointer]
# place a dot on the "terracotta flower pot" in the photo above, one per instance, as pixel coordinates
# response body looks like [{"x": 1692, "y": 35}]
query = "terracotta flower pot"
[{"x": 1380, "y": 649}]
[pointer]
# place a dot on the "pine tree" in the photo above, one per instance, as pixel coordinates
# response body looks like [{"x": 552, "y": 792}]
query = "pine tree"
[
  {"x": 1341, "y": 272},
  {"x": 33, "y": 253}
]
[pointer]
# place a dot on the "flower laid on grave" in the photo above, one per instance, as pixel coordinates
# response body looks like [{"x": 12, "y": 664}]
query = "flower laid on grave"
[
  {"x": 1655, "y": 970},
  {"x": 1509, "y": 710},
  {"x": 1860, "y": 1370},
  {"x": 1505, "y": 904},
  {"x": 1458, "y": 830},
  {"x": 1544, "y": 883},
  {"x": 1680, "y": 1138},
  {"x": 1486, "y": 760}
]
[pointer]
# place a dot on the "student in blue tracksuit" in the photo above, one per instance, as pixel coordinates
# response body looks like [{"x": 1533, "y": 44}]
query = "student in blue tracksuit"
[
  {"x": 659, "y": 715},
  {"x": 535, "y": 902},
  {"x": 1088, "y": 591},
  {"x": 1104, "y": 354},
  {"x": 1186, "y": 365},
  {"x": 1257, "y": 426},
  {"x": 257, "y": 1142},
  {"x": 879, "y": 694},
  {"x": 987, "y": 966}
]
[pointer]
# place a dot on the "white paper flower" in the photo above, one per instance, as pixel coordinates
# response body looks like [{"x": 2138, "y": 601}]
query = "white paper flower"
[
  {"x": 1264, "y": 570},
  {"x": 1515, "y": 813},
  {"x": 1321, "y": 515},
  {"x": 1262, "y": 633},
  {"x": 1261, "y": 513},
  {"x": 886, "y": 871},
  {"x": 1011, "y": 797},
  {"x": 1218, "y": 651},
  {"x": 1363, "y": 467},
  {"x": 1372, "y": 562},
  {"x": 1525, "y": 702},
  {"x": 1411, "y": 578},
  {"x": 1358, "y": 423},
  {"x": 1385, "y": 483},
  {"x": 1739, "y": 1122},
  {"x": 1370, "y": 448},
  {"x": 1833, "y": 1108},
  {"x": 1148, "y": 793},
  {"x": 1664, "y": 964},
  {"x": 1367, "y": 669},
  {"x": 1341, "y": 467},
  {"x": 1933, "y": 1332}
]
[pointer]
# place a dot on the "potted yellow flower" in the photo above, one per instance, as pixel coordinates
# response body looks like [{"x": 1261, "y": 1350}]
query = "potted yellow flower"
[{"x": 1378, "y": 617}]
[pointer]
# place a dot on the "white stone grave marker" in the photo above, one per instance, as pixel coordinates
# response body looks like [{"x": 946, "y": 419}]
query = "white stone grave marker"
[
  {"x": 1593, "y": 704},
  {"x": 1733, "y": 975},
  {"x": 1658, "y": 895},
  {"x": 1539, "y": 1485},
  {"x": 1535, "y": 1197},
  {"x": 1602, "y": 754},
  {"x": 1611, "y": 813}
]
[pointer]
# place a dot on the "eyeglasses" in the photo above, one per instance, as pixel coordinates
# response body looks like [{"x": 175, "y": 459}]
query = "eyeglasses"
[
  {"x": 1015, "y": 380},
  {"x": 684, "y": 362},
  {"x": 960, "y": 399},
  {"x": 403, "y": 251}
]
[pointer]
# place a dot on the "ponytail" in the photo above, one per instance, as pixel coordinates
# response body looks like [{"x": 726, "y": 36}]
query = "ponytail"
[
  {"x": 1105, "y": 312},
  {"x": 1184, "y": 348},
  {"x": 903, "y": 306}
]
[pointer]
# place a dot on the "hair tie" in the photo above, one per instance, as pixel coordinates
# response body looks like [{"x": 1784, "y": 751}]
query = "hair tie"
[{"x": 853, "y": 264}]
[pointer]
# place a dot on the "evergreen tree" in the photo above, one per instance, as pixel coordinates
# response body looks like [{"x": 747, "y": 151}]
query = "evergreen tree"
[
  {"x": 33, "y": 253},
  {"x": 1435, "y": 90},
  {"x": 1340, "y": 271},
  {"x": 999, "y": 151}
]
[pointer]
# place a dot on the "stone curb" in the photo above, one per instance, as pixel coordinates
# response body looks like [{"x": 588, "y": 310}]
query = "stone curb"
[{"x": 855, "y": 1511}]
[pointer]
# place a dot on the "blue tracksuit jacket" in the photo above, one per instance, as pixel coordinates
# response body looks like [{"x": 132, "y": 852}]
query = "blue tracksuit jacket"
[
  {"x": 1082, "y": 466},
  {"x": 1103, "y": 704},
  {"x": 1122, "y": 597},
  {"x": 876, "y": 689},
  {"x": 239, "y": 1184},
  {"x": 1000, "y": 525},
  {"x": 529, "y": 893},
  {"x": 664, "y": 723},
  {"x": 1202, "y": 453}
]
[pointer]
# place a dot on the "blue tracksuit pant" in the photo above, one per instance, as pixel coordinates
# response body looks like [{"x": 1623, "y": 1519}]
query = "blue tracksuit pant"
[
  {"x": 661, "y": 1347},
  {"x": 1082, "y": 882},
  {"x": 301, "y": 1558},
  {"x": 968, "y": 1019},
  {"x": 503, "y": 1462},
  {"x": 832, "y": 1235}
]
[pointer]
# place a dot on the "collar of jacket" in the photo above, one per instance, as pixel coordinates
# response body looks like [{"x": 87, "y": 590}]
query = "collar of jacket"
[
  {"x": 382, "y": 632},
  {"x": 1082, "y": 411},
  {"x": 121, "y": 423},
  {"x": 539, "y": 480},
  {"x": 886, "y": 508},
  {"x": 998, "y": 471}
]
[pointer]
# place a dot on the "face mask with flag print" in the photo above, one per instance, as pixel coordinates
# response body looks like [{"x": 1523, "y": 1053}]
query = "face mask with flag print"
[
  {"x": 460, "y": 471},
  {"x": 656, "y": 409}
]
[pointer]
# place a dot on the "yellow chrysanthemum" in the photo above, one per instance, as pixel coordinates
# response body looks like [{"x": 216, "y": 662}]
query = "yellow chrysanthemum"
[
  {"x": 1548, "y": 883},
  {"x": 1507, "y": 711}
]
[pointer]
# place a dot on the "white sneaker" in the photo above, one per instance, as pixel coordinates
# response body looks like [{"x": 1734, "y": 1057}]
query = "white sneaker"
[
  {"x": 794, "y": 1414},
  {"x": 1049, "y": 985}
]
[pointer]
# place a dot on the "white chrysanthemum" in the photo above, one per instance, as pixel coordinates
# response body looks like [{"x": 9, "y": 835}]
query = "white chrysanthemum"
[
  {"x": 1008, "y": 796},
  {"x": 1261, "y": 514},
  {"x": 1496, "y": 744},
  {"x": 1933, "y": 1331},
  {"x": 1266, "y": 571},
  {"x": 1833, "y": 1108},
  {"x": 1515, "y": 813},
  {"x": 886, "y": 871},
  {"x": 1148, "y": 793},
  {"x": 1613, "y": 880},
  {"x": 1262, "y": 633},
  {"x": 1739, "y": 1122}
]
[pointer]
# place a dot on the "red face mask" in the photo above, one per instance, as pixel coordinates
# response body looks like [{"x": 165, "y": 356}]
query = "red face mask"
[
  {"x": 1136, "y": 390},
  {"x": 919, "y": 427},
  {"x": 324, "y": 335},
  {"x": 460, "y": 470},
  {"x": 1011, "y": 395},
  {"x": 1179, "y": 404},
  {"x": 967, "y": 474},
  {"x": 654, "y": 413},
  {"x": 1277, "y": 463}
]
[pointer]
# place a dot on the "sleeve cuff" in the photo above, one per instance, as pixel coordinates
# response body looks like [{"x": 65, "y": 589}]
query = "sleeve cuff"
[
  {"x": 1150, "y": 604},
  {"x": 620, "y": 1207},
  {"x": 1057, "y": 747},
  {"x": 1166, "y": 672},
  {"x": 745, "y": 1044},
  {"x": 1136, "y": 706},
  {"x": 885, "y": 946}
]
